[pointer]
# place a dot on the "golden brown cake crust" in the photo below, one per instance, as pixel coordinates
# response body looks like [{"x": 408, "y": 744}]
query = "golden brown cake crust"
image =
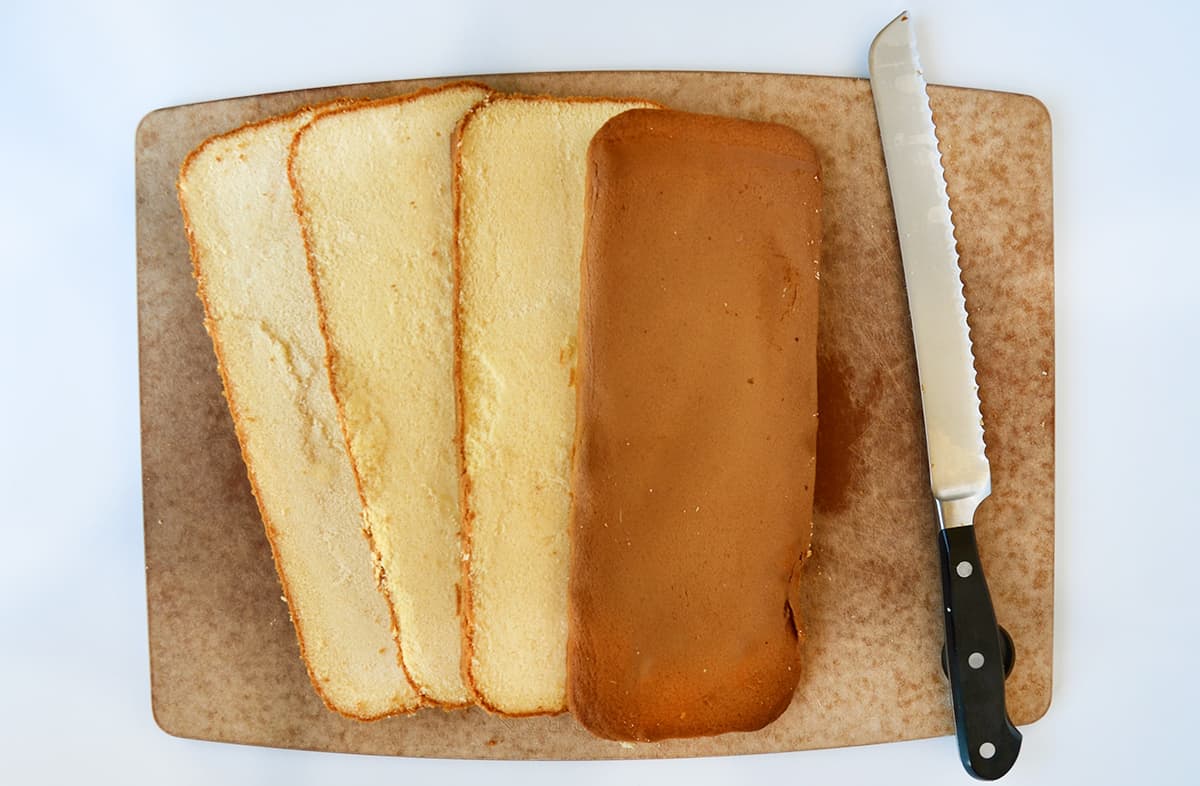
[
  {"x": 696, "y": 425},
  {"x": 466, "y": 608},
  {"x": 238, "y": 422},
  {"x": 330, "y": 365}
]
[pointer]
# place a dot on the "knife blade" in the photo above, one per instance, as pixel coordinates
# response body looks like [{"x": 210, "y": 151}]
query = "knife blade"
[{"x": 960, "y": 477}]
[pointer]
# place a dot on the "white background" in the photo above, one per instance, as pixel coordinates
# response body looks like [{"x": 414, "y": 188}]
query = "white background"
[{"x": 77, "y": 77}]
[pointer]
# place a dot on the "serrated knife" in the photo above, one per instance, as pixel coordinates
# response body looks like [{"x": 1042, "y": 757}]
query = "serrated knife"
[{"x": 959, "y": 473}]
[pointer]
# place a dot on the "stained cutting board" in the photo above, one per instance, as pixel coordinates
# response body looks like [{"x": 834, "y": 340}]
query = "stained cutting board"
[{"x": 224, "y": 661}]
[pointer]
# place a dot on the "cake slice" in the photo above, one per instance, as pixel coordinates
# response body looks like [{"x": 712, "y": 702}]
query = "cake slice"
[
  {"x": 372, "y": 187},
  {"x": 259, "y": 308},
  {"x": 519, "y": 179},
  {"x": 696, "y": 431}
]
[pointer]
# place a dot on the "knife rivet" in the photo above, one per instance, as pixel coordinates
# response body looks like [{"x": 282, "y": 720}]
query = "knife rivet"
[
  {"x": 987, "y": 750},
  {"x": 964, "y": 569},
  {"x": 975, "y": 660}
]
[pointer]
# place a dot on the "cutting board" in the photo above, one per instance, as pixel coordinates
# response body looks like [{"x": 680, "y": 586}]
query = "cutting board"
[{"x": 224, "y": 660}]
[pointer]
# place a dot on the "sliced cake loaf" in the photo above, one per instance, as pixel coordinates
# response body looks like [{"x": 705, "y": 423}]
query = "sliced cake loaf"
[
  {"x": 249, "y": 263},
  {"x": 696, "y": 429},
  {"x": 519, "y": 179},
  {"x": 372, "y": 188}
]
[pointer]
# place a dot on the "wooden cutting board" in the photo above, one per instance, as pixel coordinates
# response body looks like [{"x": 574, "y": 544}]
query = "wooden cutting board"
[{"x": 224, "y": 661}]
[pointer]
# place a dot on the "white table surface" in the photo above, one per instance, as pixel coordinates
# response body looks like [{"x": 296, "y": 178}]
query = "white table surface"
[{"x": 78, "y": 76}]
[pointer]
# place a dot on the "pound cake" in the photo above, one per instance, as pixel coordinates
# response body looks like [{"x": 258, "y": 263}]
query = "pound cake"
[
  {"x": 696, "y": 431},
  {"x": 519, "y": 180},
  {"x": 372, "y": 186},
  {"x": 249, "y": 263}
]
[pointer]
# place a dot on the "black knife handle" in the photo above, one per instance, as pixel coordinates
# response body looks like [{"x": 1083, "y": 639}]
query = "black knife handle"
[{"x": 988, "y": 742}]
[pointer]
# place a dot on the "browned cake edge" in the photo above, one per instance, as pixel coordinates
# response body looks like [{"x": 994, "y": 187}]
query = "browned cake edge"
[
  {"x": 302, "y": 215},
  {"x": 238, "y": 423}
]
